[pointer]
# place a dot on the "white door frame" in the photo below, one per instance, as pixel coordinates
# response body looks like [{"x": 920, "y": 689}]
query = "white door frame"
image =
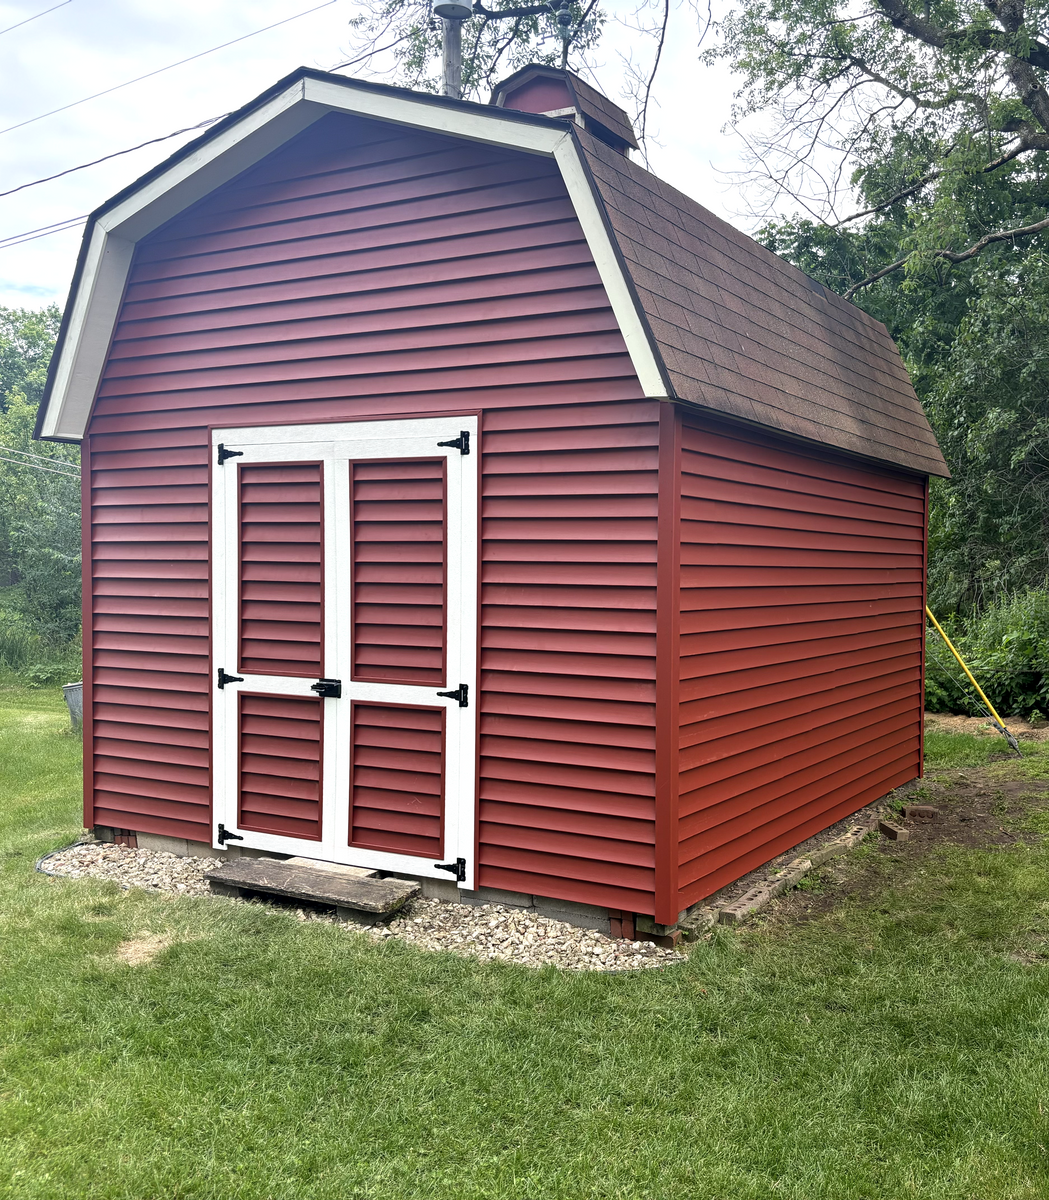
[{"x": 336, "y": 445}]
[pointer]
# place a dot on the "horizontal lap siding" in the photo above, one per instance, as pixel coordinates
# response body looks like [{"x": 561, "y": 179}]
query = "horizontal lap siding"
[
  {"x": 365, "y": 272},
  {"x": 568, "y": 653},
  {"x": 802, "y": 585}
]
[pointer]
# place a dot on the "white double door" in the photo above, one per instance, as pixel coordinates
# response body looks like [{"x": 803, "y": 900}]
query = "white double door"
[{"x": 344, "y": 641}]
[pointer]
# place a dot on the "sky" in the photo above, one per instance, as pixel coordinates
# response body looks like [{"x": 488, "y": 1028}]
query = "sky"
[{"x": 83, "y": 47}]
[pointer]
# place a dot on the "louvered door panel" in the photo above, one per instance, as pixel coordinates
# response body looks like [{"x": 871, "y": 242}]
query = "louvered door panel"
[
  {"x": 398, "y": 531},
  {"x": 281, "y": 568},
  {"x": 280, "y": 765},
  {"x": 397, "y": 778}
]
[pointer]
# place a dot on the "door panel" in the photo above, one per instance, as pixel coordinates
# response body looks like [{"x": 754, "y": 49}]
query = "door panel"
[
  {"x": 281, "y": 761},
  {"x": 344, "y": 602},
  {"x": 398, "y": 536},
  {"x": 397, "y": 778},
  {"x": 281, "y": 568}
]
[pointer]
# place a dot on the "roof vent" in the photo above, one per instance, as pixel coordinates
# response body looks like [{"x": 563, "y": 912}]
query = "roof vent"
[{"x": 553, "y": 93}]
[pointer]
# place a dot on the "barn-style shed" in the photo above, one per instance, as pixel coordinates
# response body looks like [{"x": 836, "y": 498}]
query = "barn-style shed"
[{"x": 463, "y": 502}]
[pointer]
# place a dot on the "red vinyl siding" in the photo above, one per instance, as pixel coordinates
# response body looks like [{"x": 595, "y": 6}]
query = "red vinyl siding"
[
  {"x": 362, "y": 272},
  {"x": 801, "y": 630},
  {"x": 397, "y": 778},
  {"x": 398, "y": 559},
  {"x": 281, "y": 568},
  {"x": 280, "y": 765}
]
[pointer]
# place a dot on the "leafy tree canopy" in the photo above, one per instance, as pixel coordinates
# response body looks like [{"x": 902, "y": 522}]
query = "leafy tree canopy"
[{"x": 27, "y": 338}]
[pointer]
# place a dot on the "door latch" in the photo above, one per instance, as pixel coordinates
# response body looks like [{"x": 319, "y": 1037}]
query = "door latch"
[
  {"x": 461, "y": 443},
  {"x": 225, "y": 836},
  {"x": 224, "y": 678},
  {"x": 224, "y": 454},
  {"x": 461, "y": 694},
  {"x": 457, "y": 868},
  {"x": 327, "y": 687}
]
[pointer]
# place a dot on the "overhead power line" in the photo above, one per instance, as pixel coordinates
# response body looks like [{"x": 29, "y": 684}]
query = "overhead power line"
[
  {"x": 19, "y": 24},
  {"x": 16, "y": 239},
  {"x": 48, "y": 458},
  {"x": 35, "y": 467},
  {"x": 116, "y": 154},
  {"x": 169, "y": 67}
]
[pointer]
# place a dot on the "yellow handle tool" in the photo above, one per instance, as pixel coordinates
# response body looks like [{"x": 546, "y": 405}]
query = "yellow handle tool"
[{"x": 972, "y": 679}]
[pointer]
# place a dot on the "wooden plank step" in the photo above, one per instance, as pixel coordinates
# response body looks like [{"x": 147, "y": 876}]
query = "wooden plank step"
[{"x": 355, "y": 897}]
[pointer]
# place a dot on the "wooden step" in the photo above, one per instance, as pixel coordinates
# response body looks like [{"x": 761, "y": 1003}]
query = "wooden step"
[{"x": 355, "y": 897}]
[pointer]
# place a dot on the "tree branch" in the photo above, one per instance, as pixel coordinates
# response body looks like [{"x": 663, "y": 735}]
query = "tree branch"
[{"x": 951, "y": 256}]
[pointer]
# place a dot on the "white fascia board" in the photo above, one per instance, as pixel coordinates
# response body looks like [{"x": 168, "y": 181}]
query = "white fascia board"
[
  {"x": 435, "y": 118},
  {"x": 96, "y": 305},
  {"x": 88, "y": 335},
  {"x": 620, "y": 296}
]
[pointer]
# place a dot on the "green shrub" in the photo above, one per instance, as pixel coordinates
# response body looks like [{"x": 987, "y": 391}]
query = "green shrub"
[{"x": 1006, "y": 647}]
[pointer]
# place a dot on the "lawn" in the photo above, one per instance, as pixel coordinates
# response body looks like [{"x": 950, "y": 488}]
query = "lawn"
[{"x": 893, "y": 1042}]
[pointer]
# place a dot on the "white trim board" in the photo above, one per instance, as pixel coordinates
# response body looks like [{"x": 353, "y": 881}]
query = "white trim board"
[{"x": 95, "y": 307}]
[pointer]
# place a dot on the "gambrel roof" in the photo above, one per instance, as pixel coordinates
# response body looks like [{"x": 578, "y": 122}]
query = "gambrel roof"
[{"x": 709, "y": 317}]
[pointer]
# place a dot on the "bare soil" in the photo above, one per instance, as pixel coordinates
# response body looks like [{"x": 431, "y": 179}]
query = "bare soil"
[
  {"x": 977, "y": 810},
  {"x": 1022, "y": 730}
]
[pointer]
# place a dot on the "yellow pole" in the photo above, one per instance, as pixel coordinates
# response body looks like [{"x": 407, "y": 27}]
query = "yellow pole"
[{"x": 972, "y": 679}]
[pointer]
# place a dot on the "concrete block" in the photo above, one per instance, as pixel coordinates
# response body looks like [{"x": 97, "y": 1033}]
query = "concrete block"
[
  {"x": 645, "y": 924},
  {"x": 591, "y": 917},
  {"x": 164, "y": 845},
  {"x": 895, "y": 833},
  {"x": 921, "y": 812},
  {"x": 354, "y": 916},
  {"x": 697, "y": 922},
  {"x": 487, "y": 895},
  {"x": 438, "y": 889}
]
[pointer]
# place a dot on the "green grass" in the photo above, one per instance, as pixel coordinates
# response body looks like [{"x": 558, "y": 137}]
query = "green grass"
[{"x": 892, "y": 1048}]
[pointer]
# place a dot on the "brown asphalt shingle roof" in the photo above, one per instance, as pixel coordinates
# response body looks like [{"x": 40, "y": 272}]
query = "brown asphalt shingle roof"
[{"x": 742, "y": 332}]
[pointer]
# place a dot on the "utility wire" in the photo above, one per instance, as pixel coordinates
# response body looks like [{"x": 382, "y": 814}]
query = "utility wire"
[
  {"x": 116, "y": 154},
  {"x": 30, "y": 235},
  {"x": 48, "y": 470},
  {"x": 48, "y": 458},
  {"x": 169, "y": 67},
  {"x": 39, "y": 14}
]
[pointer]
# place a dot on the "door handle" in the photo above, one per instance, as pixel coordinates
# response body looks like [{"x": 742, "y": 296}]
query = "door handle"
[{"x": 327, "y": 687}]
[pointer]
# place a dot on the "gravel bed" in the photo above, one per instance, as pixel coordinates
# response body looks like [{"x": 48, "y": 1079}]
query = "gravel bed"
[
  {"x": 133, "y": 868},
  {"x": 495, "y": 931},
  {"x": 485, "y": 931}
]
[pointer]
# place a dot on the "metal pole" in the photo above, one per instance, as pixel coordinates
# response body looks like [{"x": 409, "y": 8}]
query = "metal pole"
[{"x": 452, "y": 59}]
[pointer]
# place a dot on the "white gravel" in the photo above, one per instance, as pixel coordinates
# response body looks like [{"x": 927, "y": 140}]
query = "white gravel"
[
  {"x": 496, "y": 931},
  {"x": 485, "y": 931},
  {"x": 134, "y": 868}
]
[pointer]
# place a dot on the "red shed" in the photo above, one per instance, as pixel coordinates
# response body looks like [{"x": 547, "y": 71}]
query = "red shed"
[{"x": 462, "y": 500}]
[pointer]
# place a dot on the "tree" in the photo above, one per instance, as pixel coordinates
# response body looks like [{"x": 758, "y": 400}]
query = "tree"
[
  {"x": 935, "y": 114},
  {"x": 39, "y": 490},
  {"x": 27, "y": 338}
]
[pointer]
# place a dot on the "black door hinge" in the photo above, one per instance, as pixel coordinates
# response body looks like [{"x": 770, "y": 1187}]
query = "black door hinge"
[
  {"x": 224, "y": 678},
  {"x": 327, "y": 687},
  {"x": 457, "y": 868},
  {"x": 461, "y": 443},
  {"x": 461, "y": 694},
  {"x": 224, "y": 454},
  {"x": 225, "y": 836}
]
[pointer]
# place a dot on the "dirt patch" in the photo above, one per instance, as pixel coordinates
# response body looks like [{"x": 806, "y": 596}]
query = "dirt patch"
[
  {"x": 139, "y": 951},
  {"x": 1022, "y": 730},
  {"x": 976, "y": 813}
]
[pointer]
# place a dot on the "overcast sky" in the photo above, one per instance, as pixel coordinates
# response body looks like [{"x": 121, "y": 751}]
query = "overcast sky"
[{"x": 87, "y": 46}]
